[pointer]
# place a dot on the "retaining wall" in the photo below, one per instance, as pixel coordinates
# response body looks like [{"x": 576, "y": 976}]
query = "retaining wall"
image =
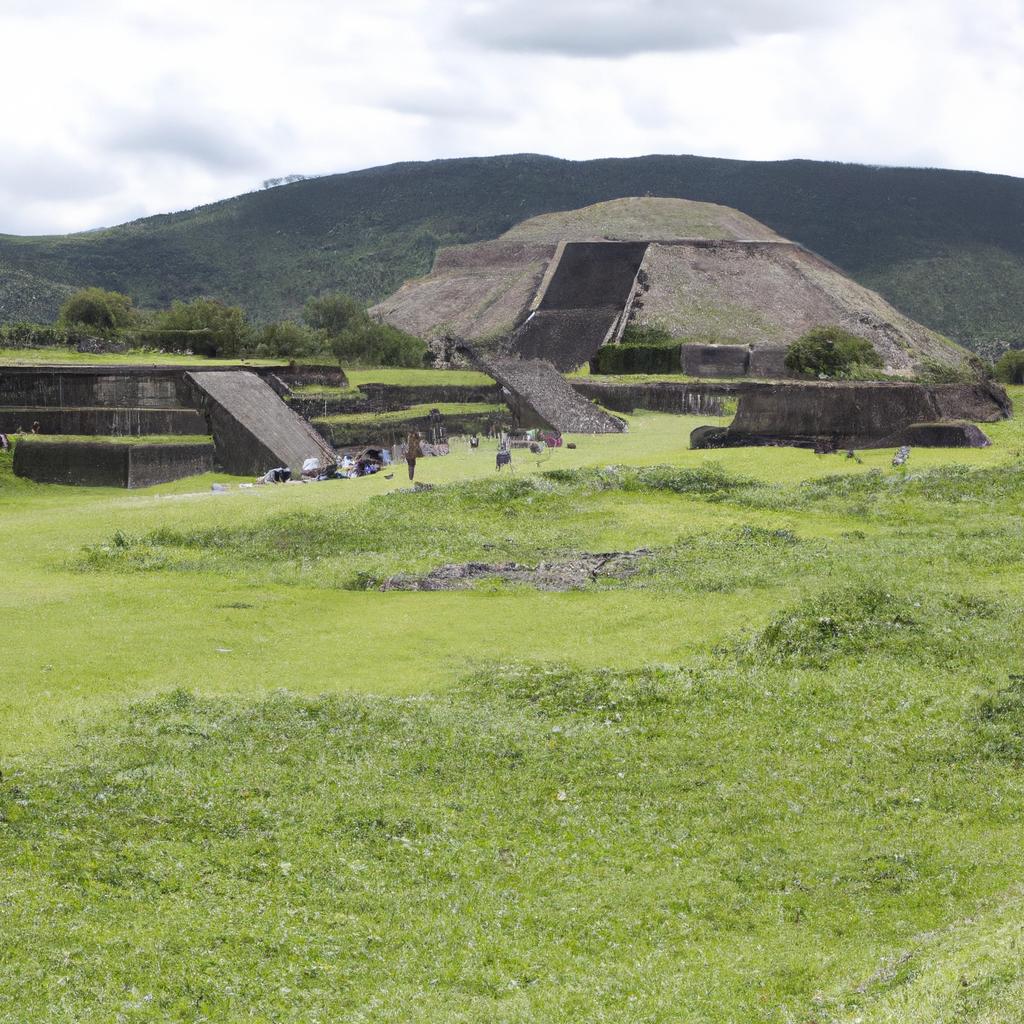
[
  {"x": 109, "y": 464},
  {"x": 107, "y": 421},
  {"x": 661, "y": 396},
  {"x": 855, "y": 415}
]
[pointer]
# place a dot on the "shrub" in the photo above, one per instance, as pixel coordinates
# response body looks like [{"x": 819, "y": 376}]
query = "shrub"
[
  {"x": 932, "y": 371},
  {"x": 831, "y": 352},
  {"x": 1009, "y": 367},
  {"x": 636, "y": 359},
  {"x": 98, "y": 309},
  {"x": 205, "y": 326},
  {"x": 288, "y": 338},
  {"x": 354, "y": 337},
  {"x": 643, "y": 349}
]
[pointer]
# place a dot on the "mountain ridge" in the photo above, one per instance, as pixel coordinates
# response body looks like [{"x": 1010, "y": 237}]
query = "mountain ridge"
[{"x": 946, "y": 246}]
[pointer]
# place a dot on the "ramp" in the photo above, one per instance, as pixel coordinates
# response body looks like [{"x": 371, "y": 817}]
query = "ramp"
[
  {"x": 582, "y": 302},
  {"x": 540, "y": 396},
  {"x": 253, "y": 430}
]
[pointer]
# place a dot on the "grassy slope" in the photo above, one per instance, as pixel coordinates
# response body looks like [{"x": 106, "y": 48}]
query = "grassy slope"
[
  {"x": 818, "y": 820},
  {"x": 368, "y": 231}
]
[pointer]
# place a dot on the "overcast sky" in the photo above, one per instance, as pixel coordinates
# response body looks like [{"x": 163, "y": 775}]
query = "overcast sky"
[{"x": 114, "y": 109}]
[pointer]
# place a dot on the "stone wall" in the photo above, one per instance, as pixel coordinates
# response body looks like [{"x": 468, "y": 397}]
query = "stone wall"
[
  {"x": 109, "y": 464},
  {"x": 852, "y": 415},
  {"x": 106, "y": 421},
  {"x": 660, "y": 396}
]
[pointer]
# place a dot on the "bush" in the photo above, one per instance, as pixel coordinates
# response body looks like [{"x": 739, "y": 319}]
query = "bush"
[
  {"x": 832, "y": 352},
  {"x": 643, "y": 349},
  {"x": 288, "y": 338},
  {"x": 1009, "y": 368},
  {"x": 354, "y": 337},
  {"x": 98, "y": 309},
  {"x": 933, "y": 371},
  {"x": 204, "y": 326},
  {"x": 636, "y": 359}
]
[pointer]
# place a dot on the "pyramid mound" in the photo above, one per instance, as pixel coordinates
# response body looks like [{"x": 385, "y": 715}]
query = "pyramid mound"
[{"x": 559, "y": 286}]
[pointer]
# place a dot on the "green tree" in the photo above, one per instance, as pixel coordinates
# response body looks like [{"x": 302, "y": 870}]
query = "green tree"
[
  {"x": 1009, "y": 367},
  {"x": 355, "y": 337},
  {"x": 99, "y": 310},
  {"x": 205, "y": 326},
  {"x": 831, "y": 352},
  {"x": 288, "y": 338},
  {"x": 334, "y": 313}
]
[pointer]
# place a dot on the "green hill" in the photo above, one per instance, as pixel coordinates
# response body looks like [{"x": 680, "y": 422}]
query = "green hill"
[{"x": 945, "y": 246}]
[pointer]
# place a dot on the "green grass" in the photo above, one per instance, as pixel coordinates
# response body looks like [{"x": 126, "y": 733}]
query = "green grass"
[
  {"x": 424, "y": 377},
  {"x": 148, "y": 357},
  {"x": 774, "y": 776},
  {"x": 413, "y": 412},
  {"x": 132, "y": 439}
]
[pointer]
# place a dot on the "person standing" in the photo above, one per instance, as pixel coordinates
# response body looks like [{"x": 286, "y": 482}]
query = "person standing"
[{"x": 412, "y": 452}]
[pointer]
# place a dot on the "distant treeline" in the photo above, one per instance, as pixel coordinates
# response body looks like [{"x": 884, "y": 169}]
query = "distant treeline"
[{"x": 334, "y": 326}]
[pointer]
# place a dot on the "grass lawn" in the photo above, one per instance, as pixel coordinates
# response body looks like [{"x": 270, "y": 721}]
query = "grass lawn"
[
  {"x": 406, "y": 377},
  {"x": 130, "y": 439},
  {"x": 136, "y": 357},
  {"x": 415, "y": 412},
  {"x": 774, "y": 775}
]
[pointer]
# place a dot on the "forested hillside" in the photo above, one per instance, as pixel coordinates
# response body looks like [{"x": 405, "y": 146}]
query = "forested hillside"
[{"x": 947, "y": 247}]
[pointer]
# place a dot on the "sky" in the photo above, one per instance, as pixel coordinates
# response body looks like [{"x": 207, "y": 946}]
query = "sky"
[{"x": 117, "y": 109}]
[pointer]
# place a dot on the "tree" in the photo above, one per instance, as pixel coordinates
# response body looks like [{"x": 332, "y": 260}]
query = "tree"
[
  {"x": 288, "y": 338},
  {"x": 1009, "y": 367},
  {"x": 831, "y": 352},
  {"x": 354, "y": 337},
  {"x": 99, "y": 310},
  {"x": 334, "y": 313},
  {"x": 205, "y": 326}
]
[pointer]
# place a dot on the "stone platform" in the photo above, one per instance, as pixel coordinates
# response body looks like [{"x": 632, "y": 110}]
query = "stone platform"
[
  {"x": 96, "y": 463},
  {"x": 859, "y": 415}
]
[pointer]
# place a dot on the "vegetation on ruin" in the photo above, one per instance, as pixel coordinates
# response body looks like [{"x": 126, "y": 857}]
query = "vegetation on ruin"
[
  {"x": 832, "y": 352},
  {"x": 366, "y": 232},
  {"x": 773, "y": 776}
]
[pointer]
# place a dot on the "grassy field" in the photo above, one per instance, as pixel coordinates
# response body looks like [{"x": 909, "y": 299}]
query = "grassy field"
[
  {"x": 131, "y": 439},
  {"x": 774, "y": 775},
  {"x": 136, "y": 357}
]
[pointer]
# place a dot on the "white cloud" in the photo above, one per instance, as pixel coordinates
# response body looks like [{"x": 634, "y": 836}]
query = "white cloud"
[{"x": 123, "y": 107}]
